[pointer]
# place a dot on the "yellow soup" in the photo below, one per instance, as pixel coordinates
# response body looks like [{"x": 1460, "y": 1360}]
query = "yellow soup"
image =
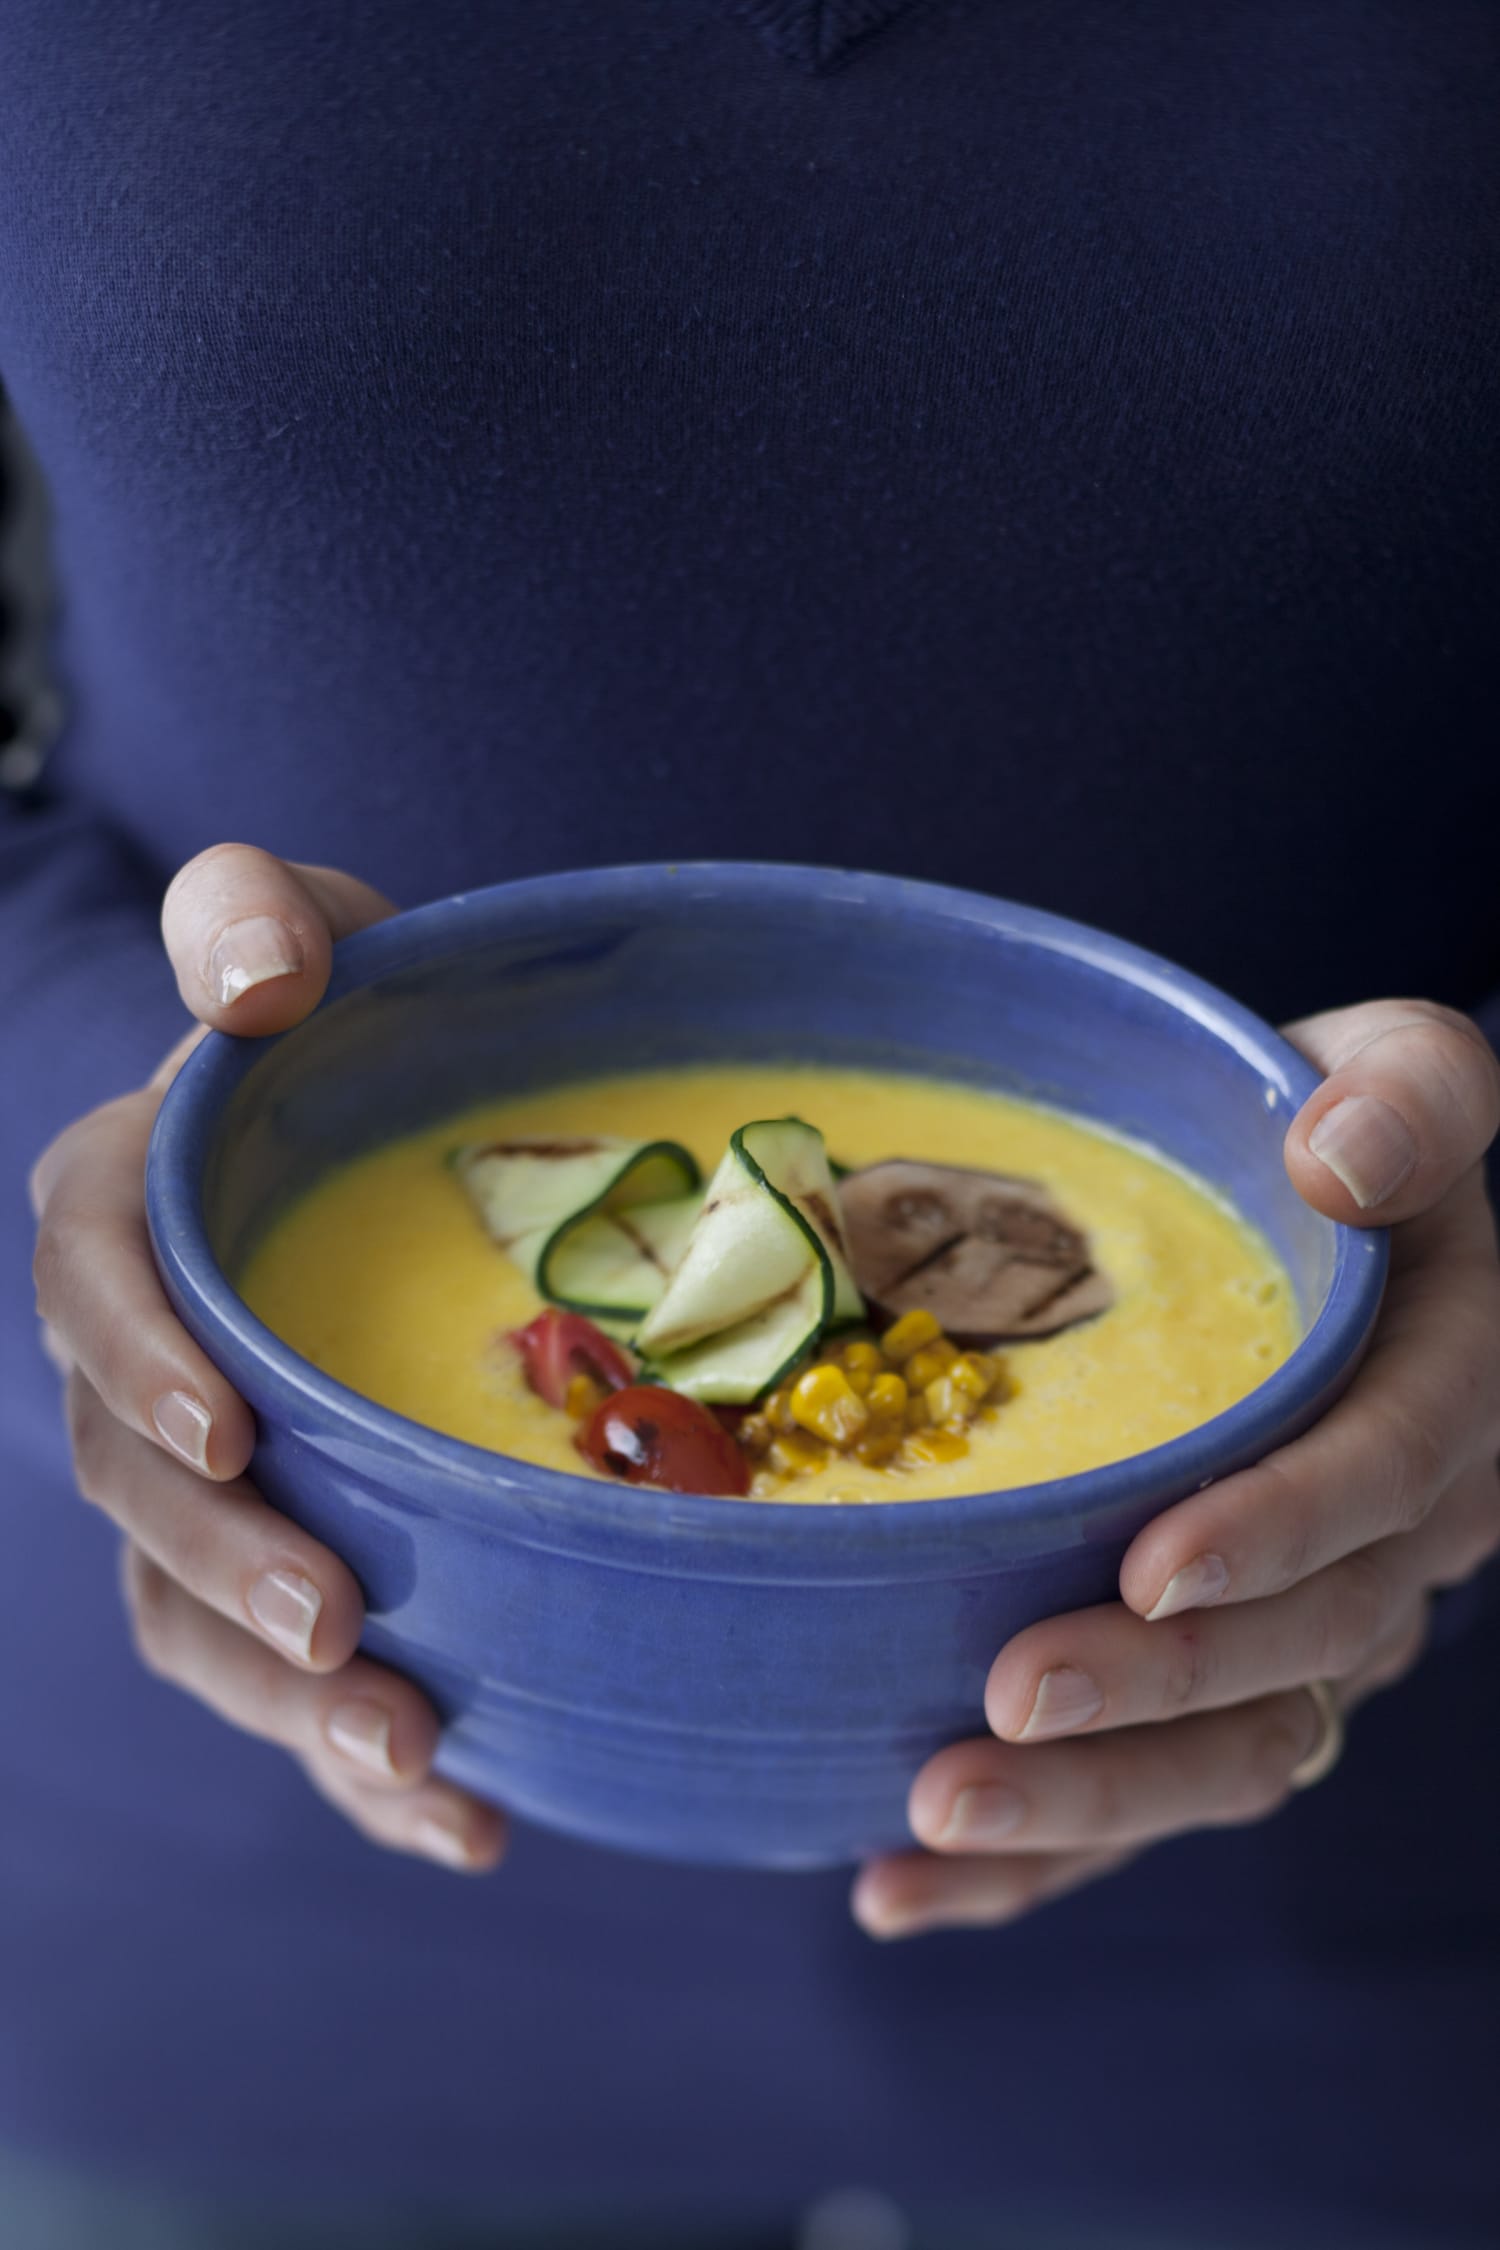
[{"x": 383, "y": 1276}]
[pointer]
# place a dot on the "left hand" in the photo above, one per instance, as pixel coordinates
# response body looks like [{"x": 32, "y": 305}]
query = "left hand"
[{"x": 1188, "y": 1697}]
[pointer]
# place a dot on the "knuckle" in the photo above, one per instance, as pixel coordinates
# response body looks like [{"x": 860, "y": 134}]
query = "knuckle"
[
  {"x": 147, "y": 1591},
  {"x": 90, "y": 1431},
  {"x": 51, "y": 1264},
  {"x": 1486, "y": 1544},
  {"x": 1465, "y": 1060},
  {"x": 1414, "y": 1454},
  {"x": 1400, "y": 1653},
  {"x": 1290, "y": 1524},
  {"x": 1473, "y": 1531},
  {"x": 71, "y": 1228},
  {"x": 1188, "y": 1670},
  {"x": 1277, "y": 1746},
  {"x": 1024, "y": 1888},
  {"x": 1102, "y": 1805},
  {"x": 50, "y": 1167},
  {"x": 1472, "y": 1396},
  {"x": 1440, "y": 1031},
  {"x": 1354, "y": 1617},
  {"x": 1450, "y": 1048},
  {"x": 198, "y": 1550},
  {"x": 43, "y": 1173}
]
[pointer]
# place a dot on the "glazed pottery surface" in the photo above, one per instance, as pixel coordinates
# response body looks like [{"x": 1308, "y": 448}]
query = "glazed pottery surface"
[{"x": 697, "y": 1678}]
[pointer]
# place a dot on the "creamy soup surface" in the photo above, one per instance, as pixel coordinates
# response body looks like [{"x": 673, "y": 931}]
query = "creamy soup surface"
[{"x": 385, "y": 1279}]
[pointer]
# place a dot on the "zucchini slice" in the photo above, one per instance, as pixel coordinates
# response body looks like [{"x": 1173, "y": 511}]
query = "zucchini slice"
[
  {"x": 764, "y": 1274},
  {"x": 596, "y": 1223},
  {"x": 740, "y": 1364},
  {"x": 614, "y": 1264}
]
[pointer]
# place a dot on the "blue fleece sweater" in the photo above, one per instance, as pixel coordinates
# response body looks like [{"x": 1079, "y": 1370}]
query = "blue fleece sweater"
[{"x": 1034, "y": 444}]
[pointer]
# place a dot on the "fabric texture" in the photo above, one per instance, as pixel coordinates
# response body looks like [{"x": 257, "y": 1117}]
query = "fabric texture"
[{"x": 1023, "y": 443}]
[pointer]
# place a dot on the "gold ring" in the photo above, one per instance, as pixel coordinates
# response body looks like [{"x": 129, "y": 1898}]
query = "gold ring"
[{"x": 1327, "y": 1750}]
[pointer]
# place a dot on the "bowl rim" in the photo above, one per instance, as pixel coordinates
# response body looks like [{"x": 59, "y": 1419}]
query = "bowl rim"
[{"x": 250, "y": 1354}]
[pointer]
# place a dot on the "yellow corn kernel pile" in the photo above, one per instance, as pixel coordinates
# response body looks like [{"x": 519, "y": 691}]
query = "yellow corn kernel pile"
[{"x": 902, "y": 1403}]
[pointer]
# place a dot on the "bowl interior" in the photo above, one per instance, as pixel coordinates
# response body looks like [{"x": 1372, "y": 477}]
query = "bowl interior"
[{"x": 575, "y": 976}]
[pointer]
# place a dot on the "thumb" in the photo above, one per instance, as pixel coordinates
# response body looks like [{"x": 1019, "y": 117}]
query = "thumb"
[
  {"x": 1411, "y": 1102},
  {"x": 251, "y": 937}
]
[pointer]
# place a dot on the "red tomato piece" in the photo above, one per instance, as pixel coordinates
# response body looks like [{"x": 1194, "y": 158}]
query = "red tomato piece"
[
  {"x": 556, "y": 1346},
  {"x": 649, "y": 1435}
]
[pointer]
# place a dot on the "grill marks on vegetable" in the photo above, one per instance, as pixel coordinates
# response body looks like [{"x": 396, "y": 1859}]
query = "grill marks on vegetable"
[
  {"x": 598, "y": 1223},
  {"x": 764, "y": 1275},
  {"x": 727, "y": 1292},
  {"x": 992, "y": 1258}
]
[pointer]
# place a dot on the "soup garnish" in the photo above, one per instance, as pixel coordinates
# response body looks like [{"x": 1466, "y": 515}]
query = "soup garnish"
[
  {"x": 735, "y": 1297},
  {"x": 382, "y": 1276}
]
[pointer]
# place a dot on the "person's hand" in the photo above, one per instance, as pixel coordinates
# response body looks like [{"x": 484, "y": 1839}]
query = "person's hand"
[
  {"x": 227, "y": 1599},
  {"x": 1186, "y": 1705}
]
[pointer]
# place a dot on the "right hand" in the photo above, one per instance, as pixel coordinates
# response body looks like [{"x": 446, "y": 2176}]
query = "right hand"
[{"x": 227, "y": 1599}]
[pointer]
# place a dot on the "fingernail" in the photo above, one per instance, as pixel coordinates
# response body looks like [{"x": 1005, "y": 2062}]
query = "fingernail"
[
  {"x": 1367, "y": 1145},
  {"x": 252, "y": 952},
  {"x": 286, "y": 1606},
  {"x": 361, "y": 1731},
  {"x": 184, "y": 1423},
  {"x": 440, "y": 1842},
  {"x": 1066, "y": 1699},
  {"x": 1195, "y": 1586},
  {"x": 985, "y": 1813}
]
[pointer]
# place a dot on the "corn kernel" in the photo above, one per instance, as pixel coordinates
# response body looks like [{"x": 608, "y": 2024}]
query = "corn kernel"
[
  {"x": 925, "y": 1367},
  {"x": 755, "y": 1433},
  {"x": 989, "y": 1365},
  {"x": 862, "y": 1353},
  {"x": 582, "y": 1395},
  {"x": 859, "y": 1380},
  {"x": 916, "y": 1416},
  {"x": 879, "y": 1446},
  {"x": 796, "y": 1455},
  {"x": 930, "y": 1448},
  {"x": 946, "y": 1403},
  {"x": 968, "y": 1376},
  {"x": 911, "y": 1331},
  {"x": 886, "y": 1398},
  {"x": 823, "y": 1403},
  {"x": 777, "y": 1410}
]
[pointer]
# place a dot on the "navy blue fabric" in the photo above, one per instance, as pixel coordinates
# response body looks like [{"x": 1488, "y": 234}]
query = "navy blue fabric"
[{"x": 1026, "y": 443}]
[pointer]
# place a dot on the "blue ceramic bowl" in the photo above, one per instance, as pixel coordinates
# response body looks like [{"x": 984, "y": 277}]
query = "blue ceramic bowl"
[{"x": 703, "y": 1679}]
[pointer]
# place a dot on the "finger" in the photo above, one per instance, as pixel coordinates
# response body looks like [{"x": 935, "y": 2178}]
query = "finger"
[
  {"x": 1392, "y": 1659},
  {"x": 251, "y": 937},
  {"x": 908, "y": 1892},
  {"x": 1425, "y": 1402},
  {"x": 369, "y": 1720},
  {"x": 54, "y": 1347},
  {"x": 167, "y": 1069},
  {"x": 1410, "y": 1103},
  {"x": 1102, "y": 1669},
  {"x": 97, "y": 1289},
  {"x": 1112, "y": 1791},
  {"x": 225, "y": 1547},
  {"x": 1097, "y": 1670},
  {"x": 1463, "y": 1533},
  {"x": 433, "y": 1820}
]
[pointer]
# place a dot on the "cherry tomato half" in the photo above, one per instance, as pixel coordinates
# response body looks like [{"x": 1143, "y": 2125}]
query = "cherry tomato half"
[
  {"x": 556, "y": 1346},
  {"x": 648, "y": 1435}
]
